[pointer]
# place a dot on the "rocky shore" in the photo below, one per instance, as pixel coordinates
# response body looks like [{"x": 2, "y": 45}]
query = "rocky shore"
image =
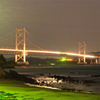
[
  {"x": 85, "y": 84},
  {"x": 74, "y": 84}
]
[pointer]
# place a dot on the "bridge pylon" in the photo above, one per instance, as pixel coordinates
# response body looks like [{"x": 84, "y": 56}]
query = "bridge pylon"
[
  {"x": 21, "y": 45},
  {"x": 82, "y": 51}
]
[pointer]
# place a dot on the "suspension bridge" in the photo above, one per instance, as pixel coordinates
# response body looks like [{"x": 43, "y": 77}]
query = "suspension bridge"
[{"x": 21, "y": 52}]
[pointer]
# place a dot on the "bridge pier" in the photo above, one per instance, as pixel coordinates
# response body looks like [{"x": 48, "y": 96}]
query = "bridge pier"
[
  {"x": 21, "y": 44},
  {"x": 82, "y": 61},
  {"x": 97, "y": 60},
  {"x": 82, "y": 51}
]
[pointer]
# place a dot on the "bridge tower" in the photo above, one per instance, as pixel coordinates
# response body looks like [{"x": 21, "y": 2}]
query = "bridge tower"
[
  {"x": 82, "y": 50},
  {"x": 21, "y": 45}
]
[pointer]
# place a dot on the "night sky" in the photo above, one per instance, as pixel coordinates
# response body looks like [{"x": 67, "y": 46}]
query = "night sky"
[{"x": 54, "y": 24}]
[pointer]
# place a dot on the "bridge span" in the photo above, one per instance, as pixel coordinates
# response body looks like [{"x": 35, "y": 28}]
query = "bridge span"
[
  {"x": 21, "y": 52},
  {"x": 14, "y": 51}
]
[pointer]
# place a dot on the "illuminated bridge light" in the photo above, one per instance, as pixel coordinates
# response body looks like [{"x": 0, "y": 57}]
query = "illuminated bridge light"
[{"x": 47, "y": 52}]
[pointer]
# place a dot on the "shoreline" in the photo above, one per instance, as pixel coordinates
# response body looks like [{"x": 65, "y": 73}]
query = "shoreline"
[
  {"x": 39, "y": 86},
  {"x": 83, "y": 79}
]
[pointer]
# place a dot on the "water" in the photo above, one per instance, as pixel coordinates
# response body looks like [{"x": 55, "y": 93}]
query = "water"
[{"x": 61, "y": 70}]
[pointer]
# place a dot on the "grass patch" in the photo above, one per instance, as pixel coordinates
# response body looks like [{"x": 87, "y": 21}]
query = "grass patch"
[{"x": 16, "y": 90}]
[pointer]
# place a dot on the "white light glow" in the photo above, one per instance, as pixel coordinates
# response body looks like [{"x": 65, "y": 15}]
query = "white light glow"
[{"x": 48, "y": 52}]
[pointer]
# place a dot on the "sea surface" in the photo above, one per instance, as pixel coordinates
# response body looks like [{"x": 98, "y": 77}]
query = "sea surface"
[{"x": 59, "y": 70}]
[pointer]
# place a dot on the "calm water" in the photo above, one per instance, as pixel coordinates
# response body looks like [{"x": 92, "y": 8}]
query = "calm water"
[{"x": 64, "y": 70}]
